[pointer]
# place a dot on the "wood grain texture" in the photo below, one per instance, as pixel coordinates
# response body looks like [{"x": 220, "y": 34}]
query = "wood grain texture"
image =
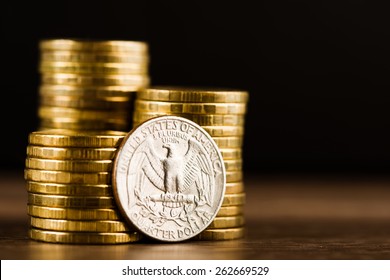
[{"x": 287, "y": 217}]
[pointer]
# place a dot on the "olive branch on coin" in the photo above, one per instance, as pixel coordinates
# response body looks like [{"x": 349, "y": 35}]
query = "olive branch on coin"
[{"x": 149, "y": 210}]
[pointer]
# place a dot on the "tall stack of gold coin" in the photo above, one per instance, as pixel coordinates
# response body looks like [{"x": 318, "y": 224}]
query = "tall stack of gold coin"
[
  {"x": 85, "y": 109},
  {"x": 221, "y": 112},
  {"x": 90, "y": 85},
  {"x": 70, "y": 197}
]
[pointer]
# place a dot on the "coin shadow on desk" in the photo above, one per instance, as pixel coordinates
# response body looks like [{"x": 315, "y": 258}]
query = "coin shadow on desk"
[
  {"x": 139, "y": 251},
  {"x": 16, "y": 244}
]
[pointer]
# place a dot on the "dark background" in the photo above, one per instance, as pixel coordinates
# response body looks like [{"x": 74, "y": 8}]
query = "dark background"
[{"x": 317, "y": 71}]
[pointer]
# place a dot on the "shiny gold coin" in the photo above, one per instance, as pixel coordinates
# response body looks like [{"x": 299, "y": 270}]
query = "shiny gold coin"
[
  {"x": 190, "y": 108},
  {"x": 177, "y": 94},
  {"x": 83, "y": 125},
  {"x": 77, "y": 124},
  {"x": 92, "y": 92},
  {"x": 69, "y": 189},
  {"x": 230, "y": 211},
  {"x": 70, "y": 138},
  {"x": 229, "y": 141},
  {"x": 69, "y": 165},
  {"x": 234, "y": 176},
  {"x": 231, "y": 153},
  {"x": 48, "y": 112},
  {"x": 233, "y": 164},
  {"x": 223, "y": 131},
  {"x": 139, "y": 81},
  {"x": 73, "y": 213},
  {"x": 227, "y": 222},
  {"x": 93, "y": 68},
  {"x": 84, "y": 226},
  {"x": 202, "y": 120},
  {"x": 234, "y": 199},
  {"x": 71, "y": 153},
  {"x": 93, "y": 57},
  {"x": 109, "y": 103},
  {"x": 235, "y": 187},
  {"x": 63, "y": 177},
  {"x": 71, "y": 201},
  {"x": 94, "y": 45},
  {"x": 84, "y": 237},
  {"x": 221, "y": 234}
]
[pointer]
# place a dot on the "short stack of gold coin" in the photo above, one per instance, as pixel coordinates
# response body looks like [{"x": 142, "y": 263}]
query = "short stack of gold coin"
[
  {"x": 221, "y": 112},
  {"x": 70, "y": 197},
  {"x": 90, "y": 85}
]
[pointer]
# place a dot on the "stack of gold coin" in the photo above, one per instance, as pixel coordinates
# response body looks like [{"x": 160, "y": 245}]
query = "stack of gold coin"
[
  {"x": 90, "y": 85},
  {"x": 221, "y": 112},
  {"x": 70, "y": 197}
]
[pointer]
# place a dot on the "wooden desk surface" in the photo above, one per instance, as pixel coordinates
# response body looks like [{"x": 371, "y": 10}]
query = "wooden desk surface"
[{"x": 288, "y": 217}]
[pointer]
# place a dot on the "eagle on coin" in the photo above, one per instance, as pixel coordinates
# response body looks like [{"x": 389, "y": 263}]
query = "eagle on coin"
[{"x": 178, "y": 174}]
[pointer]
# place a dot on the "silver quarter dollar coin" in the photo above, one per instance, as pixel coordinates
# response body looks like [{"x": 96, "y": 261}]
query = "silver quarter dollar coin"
[{"x": 169, "y": 178}]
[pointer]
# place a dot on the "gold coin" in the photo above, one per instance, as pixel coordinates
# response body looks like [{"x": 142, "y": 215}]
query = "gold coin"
[
  {"x": 234, "y": 176},
  {"x": 230, "y": 211},
  {"x": 93, "y": 57},
  {"x": 83, "y": 125},
  {"x": 84, "y": 237},
  {"x": 224, "y": 130},
  {"x": 109, "y": 104},
  {"x": 93, "y": 68},
  {"x": 233, "y": 164},
  {"x": 63, "y": 177},
  {"x": 229, "y": 141},
  {"x": 71, "y": 201},
  {"x": 221, "y": 234},
  {"x": 190, "y": 108},
  {"x": 70, "y": 138},
  {"x": 69, "y": 189},
  {"x": 139, "y": 81},
  {"x": 202, "y": 120},
  {"x": 234, "y": 199},
  {"x": 71, "y": 153},
  {"x": 91, "y": 92},
  {"x": 227, "y": 222},
  {"x": 235, "y": 187},
  {"x": 72, "y": 213},
  {"x": 69, "y": 165},
  {"x": 231, "y": 153},
  {"x": 73, "y": 122},
  {"x": 177, "y": 94},
  {"x": 94, "y": 45},
  {"x": 48, "y": 112},
  {"x": 85, "y": 226}
]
